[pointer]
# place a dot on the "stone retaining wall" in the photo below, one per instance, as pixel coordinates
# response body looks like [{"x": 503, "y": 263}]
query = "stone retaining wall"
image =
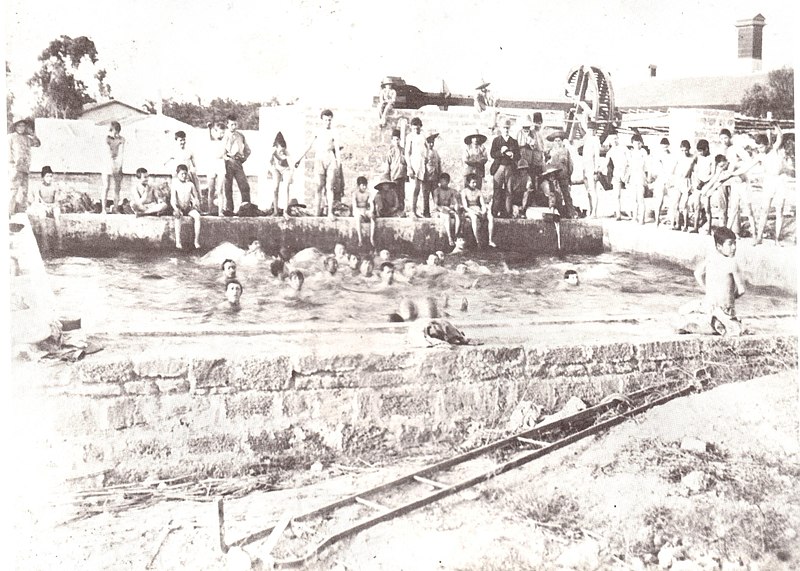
[
  {"x": 93, "y": 234},
  {"x": 210, "y": 415}
]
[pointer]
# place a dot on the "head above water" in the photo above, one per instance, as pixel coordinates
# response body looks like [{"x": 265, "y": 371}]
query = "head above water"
[
  {"x": 331, "y": 265},
  {"x": 433, "y": 260},
  {"x": 229, "y": 268},
  {"x": 387, "y": 272},
  {"x": 366, "y": 267},
  {"x": 339, "y": 250},
  {"x": 384, "y": 255},
  {"x": 296, "y": 279},
  {"x": 571, "y": 277},
  {"x": 276, "y": 267},
  {"x": 407, "y": 310},
  {"x": 233, "y": 291},
  {"x": 353, "y": 261}
]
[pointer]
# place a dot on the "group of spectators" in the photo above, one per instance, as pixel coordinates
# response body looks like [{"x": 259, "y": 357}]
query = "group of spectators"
[{"x": 528, "y": 176}]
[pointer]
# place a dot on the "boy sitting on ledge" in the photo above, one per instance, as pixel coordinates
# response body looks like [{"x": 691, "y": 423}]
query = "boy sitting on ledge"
[{"x": 185, "y": 202}]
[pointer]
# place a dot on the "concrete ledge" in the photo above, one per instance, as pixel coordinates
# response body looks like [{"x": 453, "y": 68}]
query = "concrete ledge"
[
  {"x": 763, "y": 265},
  {"x": 218, "y": 415},
  {"x": 94, "y": 234}
]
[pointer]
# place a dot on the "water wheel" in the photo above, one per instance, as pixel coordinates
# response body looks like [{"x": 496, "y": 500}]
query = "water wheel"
[{"x": 590, "y": 89}]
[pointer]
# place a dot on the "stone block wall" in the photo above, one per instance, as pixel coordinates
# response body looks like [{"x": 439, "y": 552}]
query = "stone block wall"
[
  {"x": 211, "y": 415},
  {"x": 93, "y": 234}
]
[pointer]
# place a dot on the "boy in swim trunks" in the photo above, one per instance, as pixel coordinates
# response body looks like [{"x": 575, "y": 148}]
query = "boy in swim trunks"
[
  {"x": 702, "y": 171},
  {"x": 363, "y": 210},
  {"x": 446, "y": 206},
  {"x": 719, "y": 274},
  {"x": 116, "y": 150},
  {"x": 326, "y": 161},
  {"x": 682, "y": 185},
  {"x": 46, "y": 197},
  {"x": 476, "y": 209},
  {"x": 185, "y": 202},
  {"x": 145, "y": 202}
]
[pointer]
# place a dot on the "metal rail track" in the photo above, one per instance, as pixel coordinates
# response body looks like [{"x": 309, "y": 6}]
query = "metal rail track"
[{"x": 524, "y": 447}]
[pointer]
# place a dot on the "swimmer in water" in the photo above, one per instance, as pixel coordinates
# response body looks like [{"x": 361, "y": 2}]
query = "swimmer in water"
[
  {"x": 277, "y": 269},
  {"x": 387, "y": 273},
  {"x": 384, "y": 255},
  {"x": 459, "y": 247},
  {"x": 331, "y": 265},
  {"x": 254, "y": 254},
  {"x": 433, "y": 260},
  {"x": 228, "y": 271},
  {"x": 233, "y": 296},
  {"x": 353, "y": 262},
  {"x": 571, "y": 278},
  {"x": 340, "y": 252},
  {"x": 366, "y": 268}
]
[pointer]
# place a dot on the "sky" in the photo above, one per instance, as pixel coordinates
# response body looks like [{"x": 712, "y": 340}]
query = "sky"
[{"x": 335, "y": 52}]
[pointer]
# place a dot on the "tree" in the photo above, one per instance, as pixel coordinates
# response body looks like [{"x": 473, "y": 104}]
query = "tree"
[
  {"x": 199, "y": 115},
  {"x": 66, "y": 66},
  {"x": 777, "y": 96}
]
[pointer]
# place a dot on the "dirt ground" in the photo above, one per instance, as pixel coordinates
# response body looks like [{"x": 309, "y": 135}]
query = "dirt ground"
[{"x": 631, "y": 498}]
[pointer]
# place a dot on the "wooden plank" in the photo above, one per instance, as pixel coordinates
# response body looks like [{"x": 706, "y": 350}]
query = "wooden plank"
[
  {"x": 433, "y": 483},
  {"x": 369, "y": 504}
]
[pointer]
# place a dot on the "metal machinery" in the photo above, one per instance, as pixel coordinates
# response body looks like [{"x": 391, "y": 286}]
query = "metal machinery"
[{"x": 588, "y": 90}]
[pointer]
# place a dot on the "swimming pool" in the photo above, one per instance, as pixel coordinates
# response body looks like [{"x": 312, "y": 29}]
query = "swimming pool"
[{"x": 149, "y": 292}]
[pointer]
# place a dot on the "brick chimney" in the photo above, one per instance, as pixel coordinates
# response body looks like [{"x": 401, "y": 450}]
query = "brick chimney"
[{"x": 751, "y": 33}]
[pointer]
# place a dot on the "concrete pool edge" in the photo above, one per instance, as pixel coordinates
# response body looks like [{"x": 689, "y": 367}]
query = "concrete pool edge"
[
  {"x": 95, "y": 234},
  {"x": 141, "y": 416},
  {"x": 762, "y": 265}
]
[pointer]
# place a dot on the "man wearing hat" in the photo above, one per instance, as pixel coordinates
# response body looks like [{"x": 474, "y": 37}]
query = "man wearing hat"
[
  {"x": 536, "y": 142},
  {"x": 485, "y": 106},
  {"x": 475, "y": 157},
  {"x": 395, "y": 167},
  {"x": 561, "y": 159},
  {"x": 386, "y": 100},
  {"x": 19, "y": 164},
  {"x": 430, "y": 178},
  {"x": 505, "y": 153},
  {"x": 386, "y": 204}
]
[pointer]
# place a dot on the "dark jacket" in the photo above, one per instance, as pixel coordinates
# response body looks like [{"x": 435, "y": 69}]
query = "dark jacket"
[{"x": 501, "y": 159}]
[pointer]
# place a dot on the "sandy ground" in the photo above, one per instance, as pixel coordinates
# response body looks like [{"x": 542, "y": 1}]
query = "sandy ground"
[{"x": 627, "y": 499}]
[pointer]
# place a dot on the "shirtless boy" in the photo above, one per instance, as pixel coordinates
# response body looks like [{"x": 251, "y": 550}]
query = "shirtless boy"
[
  {"x": 326, "y": 161},
  {"x": 363, "y": 210},
  {"x": 446, "y": 206},
  {"x": 476, "y": 209},
  {"x": 720, "y": 276},
  {"x": 185, "y": 202}
]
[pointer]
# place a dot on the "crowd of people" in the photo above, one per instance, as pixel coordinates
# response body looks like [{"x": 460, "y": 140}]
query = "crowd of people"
[{"x": 529, "y": 173}]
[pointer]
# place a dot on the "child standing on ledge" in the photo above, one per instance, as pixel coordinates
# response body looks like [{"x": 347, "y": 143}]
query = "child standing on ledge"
[{"x": 185, "y": 202}]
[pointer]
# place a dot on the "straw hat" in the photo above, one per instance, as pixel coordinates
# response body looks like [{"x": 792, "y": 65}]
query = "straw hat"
[
  {"x": 385, "y": 183},
  {"x": 431, "y": 135},
  {"x": 557, "y": 134},
  {"x": 387, "y": 81},
  {"x": 550, "y": 170},
  {"x": 522, "y": 164},
  {"x": 484, "y": 85},
  {"x": 294, "y": 204},
  {"x": 481, "y": 138}
]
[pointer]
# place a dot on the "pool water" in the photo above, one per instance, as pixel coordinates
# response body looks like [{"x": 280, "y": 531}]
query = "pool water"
[{"x": 141, "y": 292}]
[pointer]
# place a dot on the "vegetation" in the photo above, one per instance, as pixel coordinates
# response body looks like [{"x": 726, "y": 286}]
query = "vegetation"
[
  {"x": 199, "y": 115},
  {"x": 62, "y": 92},
  {"x": 777, "y": 96}
]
